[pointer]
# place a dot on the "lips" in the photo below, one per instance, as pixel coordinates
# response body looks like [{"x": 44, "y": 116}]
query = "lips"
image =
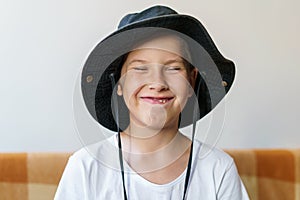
[{"x": 157, "y": 100}]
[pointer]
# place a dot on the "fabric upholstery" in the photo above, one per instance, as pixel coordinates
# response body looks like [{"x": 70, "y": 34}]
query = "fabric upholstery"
[
  {"x": 30, "y": 176},
  {"x": 269, "y": 174},
  {"x": 272, "y": 174}
]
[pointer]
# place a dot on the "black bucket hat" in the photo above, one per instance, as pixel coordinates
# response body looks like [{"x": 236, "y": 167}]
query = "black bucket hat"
[{"x": 216, "y": 72}]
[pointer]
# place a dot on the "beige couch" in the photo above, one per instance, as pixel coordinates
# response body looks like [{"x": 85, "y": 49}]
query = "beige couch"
[{"x": 267, "y": 174}]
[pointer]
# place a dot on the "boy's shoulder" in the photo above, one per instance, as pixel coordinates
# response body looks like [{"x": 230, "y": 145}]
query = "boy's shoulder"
[
  {"x": 97, "y": 152},
  {"x": 211, "y": 155}
]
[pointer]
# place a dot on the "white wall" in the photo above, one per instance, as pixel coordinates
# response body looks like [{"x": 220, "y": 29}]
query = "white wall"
[{"x": 43, "y": 45}]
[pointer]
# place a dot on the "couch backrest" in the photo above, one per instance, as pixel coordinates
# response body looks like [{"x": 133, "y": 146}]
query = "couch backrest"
[{"x": 267, "y": 174}]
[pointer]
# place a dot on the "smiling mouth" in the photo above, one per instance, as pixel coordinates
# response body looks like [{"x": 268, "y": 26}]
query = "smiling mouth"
[{"x": 157, "y": 100}]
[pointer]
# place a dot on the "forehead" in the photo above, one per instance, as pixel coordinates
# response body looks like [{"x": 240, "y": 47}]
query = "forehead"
[
  {"x": 159, "y": 49},
  {"x": 170, "y": 43},
  {"x": 152, "y": 55}
]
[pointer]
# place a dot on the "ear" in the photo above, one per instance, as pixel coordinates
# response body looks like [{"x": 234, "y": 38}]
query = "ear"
[
  {"x": 193, "y": 77},
  {"x": 119, "y": 90}
]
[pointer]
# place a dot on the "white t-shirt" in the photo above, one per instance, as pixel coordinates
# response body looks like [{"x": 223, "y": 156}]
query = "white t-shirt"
[{"x": 93, "y": 173}]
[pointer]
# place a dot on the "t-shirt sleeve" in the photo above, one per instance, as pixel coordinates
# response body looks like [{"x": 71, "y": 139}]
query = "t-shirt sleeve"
[
  {"x": 74, "y": 184},
  {"x": 231, "y": 187}
]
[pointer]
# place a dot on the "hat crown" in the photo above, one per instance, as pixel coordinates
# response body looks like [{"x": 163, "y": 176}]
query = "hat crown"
[{"x": 152, "y": 12}]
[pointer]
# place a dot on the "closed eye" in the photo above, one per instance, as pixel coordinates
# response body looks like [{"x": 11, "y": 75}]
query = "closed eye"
[
  {"x": 173, "y": 68},
  {"x": 142, "y": 68}
]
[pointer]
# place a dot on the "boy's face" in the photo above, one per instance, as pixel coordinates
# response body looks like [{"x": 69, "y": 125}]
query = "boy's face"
[{"x": 155, "y": 83}]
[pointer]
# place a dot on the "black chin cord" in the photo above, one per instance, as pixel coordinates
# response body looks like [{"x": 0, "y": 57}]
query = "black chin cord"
[
  {"x": 115, "y": 103},
  {"x": 188, "y": 172}
]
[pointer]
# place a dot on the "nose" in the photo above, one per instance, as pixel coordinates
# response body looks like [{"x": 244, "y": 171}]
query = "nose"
[
  {"x": 157, "y": 81},
  {"x": 157, "y": 87}
]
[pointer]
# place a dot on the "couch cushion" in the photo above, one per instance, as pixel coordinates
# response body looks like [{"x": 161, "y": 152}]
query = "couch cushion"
[{"x": 30, "y": 176}]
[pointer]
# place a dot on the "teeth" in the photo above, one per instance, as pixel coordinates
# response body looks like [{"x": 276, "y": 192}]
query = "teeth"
[{"x": 162, "y": 101}]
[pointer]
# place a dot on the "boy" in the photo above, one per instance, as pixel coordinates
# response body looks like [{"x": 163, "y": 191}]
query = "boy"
[{"x": 158, "y": 72}]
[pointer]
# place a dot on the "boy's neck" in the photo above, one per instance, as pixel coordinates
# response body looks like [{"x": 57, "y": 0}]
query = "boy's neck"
[
  {"x": 156, "y": 152},
  {"x": 144, "y": 140}
]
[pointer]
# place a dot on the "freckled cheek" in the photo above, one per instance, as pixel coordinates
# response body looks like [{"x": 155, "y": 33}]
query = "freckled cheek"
[
  {"x": 180, "y": 87},
  {"x": 131, "y": 86}
]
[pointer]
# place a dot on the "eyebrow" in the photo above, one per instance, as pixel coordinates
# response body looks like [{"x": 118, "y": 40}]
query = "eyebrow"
[
  {"x": 176, "y": 60},
  {"x": 136, "y": 61}
]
